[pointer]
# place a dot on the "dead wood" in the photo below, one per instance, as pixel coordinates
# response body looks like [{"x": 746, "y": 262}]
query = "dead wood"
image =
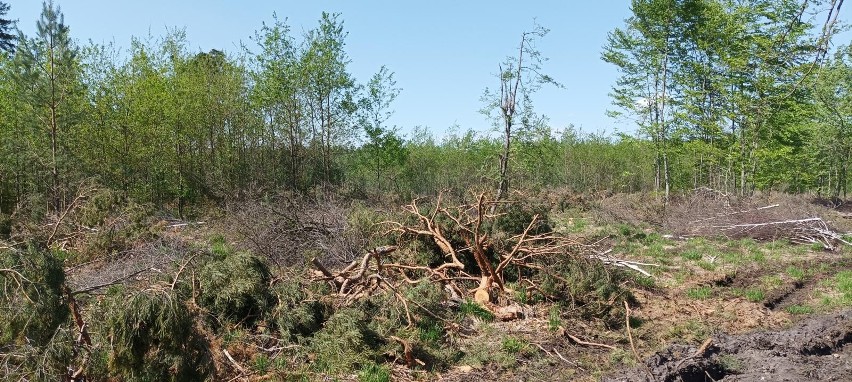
[
  {"x": 473, "y": 258},
  {"x": 578, "y": 341},
  {"x": 709, "y": 214}
]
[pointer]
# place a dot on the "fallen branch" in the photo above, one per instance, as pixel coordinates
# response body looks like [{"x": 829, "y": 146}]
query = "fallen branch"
[
  {"x": 634, "y": 265},
  {"x": 233, "y": 362},
  {"x": 755, "y": 225},
  {"x": 698, "y": 353},
  {"x": 73, "y": 205},
  {"x": 733, "y": 213},
  {"x": 632, "y": 344},
  {"x": 111, "y": 282},
  {"x": 586, "y": 343}
]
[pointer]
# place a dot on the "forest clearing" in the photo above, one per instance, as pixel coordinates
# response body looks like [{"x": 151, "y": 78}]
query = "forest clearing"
[{"x": 177, "y": 215}]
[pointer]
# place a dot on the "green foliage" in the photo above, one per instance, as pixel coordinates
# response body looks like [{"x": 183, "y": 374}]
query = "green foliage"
[
  {"x": 470, "y": 308},
  {"x": 755, "y": 295},
  {"x": 518, "y": 214},
  {"x": 346, "y": 343},
  {"x": 554, "y": 318},
  {"x": 692, "y": 254},
  {"x": 796, "y": 273},
  {"x": 32, "y": 300},
  {"x": 513, "y": 345},
  {"x": 731, "y": 364},
  {"x": 843, "y": 285},
  {"x": 588, "y": 288},
  {"x": 153, "y": 337},
  {"x": 299, "y": 312},
  {"x": 35, "y": 332},
  {"x": 7, "y": 38},
  {"x": 235, "y": 287}
]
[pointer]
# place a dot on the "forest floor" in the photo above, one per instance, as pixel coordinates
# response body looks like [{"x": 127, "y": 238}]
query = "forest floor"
[
  {"x": 719, "y": 309},
  {"x": 720, "y": 304}
]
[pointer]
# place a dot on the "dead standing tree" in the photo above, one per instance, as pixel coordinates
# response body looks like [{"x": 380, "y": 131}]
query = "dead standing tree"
[{"x": 520, "y": 77}]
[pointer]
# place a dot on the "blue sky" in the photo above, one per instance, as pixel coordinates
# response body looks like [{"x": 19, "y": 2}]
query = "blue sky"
[{"x": 444, "y": 53}]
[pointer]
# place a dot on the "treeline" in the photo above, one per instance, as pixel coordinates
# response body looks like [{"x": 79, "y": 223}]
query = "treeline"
[
  {"x": 738, "y": 95},
  {"x": 733, "y": 96}
]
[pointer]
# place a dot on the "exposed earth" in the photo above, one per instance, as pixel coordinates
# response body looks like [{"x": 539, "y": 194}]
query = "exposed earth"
[{"x": 818, "y": 348}]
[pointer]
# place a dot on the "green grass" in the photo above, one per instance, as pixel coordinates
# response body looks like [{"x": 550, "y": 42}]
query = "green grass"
[
  {"x": 578, "y": 225},
  {"x": 643, "y": 281},
  {"x": 799, "y": 309},
  {"x": 691, "y": 254},
  {"x": 735, "y": 258},
  {"x": 758, "y": 257},
  {"x": 554, "y": 319},
  {"x": 374, "y": 373},
  {"x": 796, "y": 273},
  {"x": 690, "y": 331},
  {"x": 707, "y": 266},
  {"x": 682, "y": 275},
  {"x": 513, "y": 345},
  {"x": 261, "y": 364},
  {"x": 620, "y": 357},
  {"x": 699, "y": 293},
  {"x": 430, "y": 332},
  {"x": 731, "y": 364},
  {"x": 755, "y": 295},
  {"x": 843, "y": 285},
  {"x": 772, "y": 281}
]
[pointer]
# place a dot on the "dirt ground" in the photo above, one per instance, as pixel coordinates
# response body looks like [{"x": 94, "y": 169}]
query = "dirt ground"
[
  {"x": 818, "y": 348},
  {"x": 723, "y": 309}
]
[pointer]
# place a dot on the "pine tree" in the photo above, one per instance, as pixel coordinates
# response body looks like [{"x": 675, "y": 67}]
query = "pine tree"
[
  {"x": 47, "y": 72},
  {"x": 7, "y": 39}
]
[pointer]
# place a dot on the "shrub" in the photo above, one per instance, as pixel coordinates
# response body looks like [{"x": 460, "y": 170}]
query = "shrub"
[{"x": 518, "y": 214}]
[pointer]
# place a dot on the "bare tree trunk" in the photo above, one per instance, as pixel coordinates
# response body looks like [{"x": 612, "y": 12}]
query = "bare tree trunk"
[{"x": 503, "y": 187}]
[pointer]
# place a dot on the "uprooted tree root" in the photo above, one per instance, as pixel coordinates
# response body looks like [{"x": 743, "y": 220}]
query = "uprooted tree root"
[{"x": 471, "y": 257}]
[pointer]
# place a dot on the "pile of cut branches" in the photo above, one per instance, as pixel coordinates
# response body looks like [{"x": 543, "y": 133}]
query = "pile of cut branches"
[{"x": 710, "y": 213}]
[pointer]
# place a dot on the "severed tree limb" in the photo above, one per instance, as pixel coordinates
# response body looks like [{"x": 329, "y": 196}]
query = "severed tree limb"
[
  {"x": 733, "y": 213},
  {"x": 632, "y": 345},
  {"x": 508, "y": 259},
  {"x": 110, "y": 283},
  {"x": 634, "y": 265},
  {"x": 73, "y": 205},
  {"x": 585, "y": 343},
  {"x": 407, "y": 352},
  {"x": 319, "y": 266},
  {"x": 755, "y": 225},
  {"x": 180, "y": 270},
  {"x": 233, "y": 362}
]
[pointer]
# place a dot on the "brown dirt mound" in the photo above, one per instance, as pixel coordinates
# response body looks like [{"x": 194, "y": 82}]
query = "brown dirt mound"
[{"x": 817, "y": 349}]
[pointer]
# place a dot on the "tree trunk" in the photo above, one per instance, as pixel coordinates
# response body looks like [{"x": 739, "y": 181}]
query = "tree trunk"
[{"x": 503, "y": 187}]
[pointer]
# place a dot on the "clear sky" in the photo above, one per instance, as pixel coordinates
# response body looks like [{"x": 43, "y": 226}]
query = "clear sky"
[{"x": 444, "y": 53}]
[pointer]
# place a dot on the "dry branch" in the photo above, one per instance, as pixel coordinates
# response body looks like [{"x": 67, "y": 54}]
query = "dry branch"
[
  {"x": 578, "y": 341},
  {"x": 634, "y": 265}
]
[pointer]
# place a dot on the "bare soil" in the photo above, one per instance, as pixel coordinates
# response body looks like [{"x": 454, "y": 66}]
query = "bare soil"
[{"x": 818, "y": 348}]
